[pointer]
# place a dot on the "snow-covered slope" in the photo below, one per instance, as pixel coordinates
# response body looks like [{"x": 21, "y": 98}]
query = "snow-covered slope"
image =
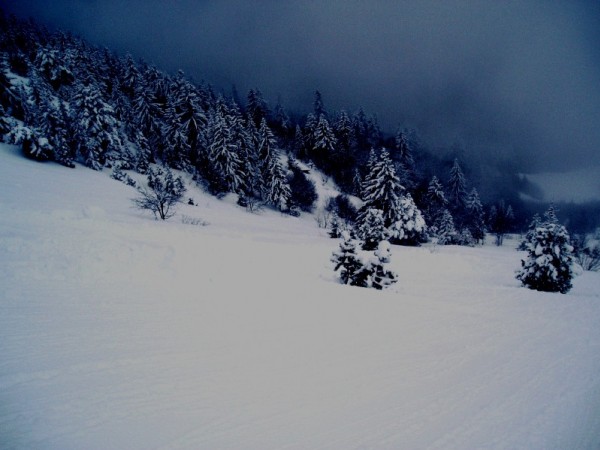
[{"x": 118, "y": 331}]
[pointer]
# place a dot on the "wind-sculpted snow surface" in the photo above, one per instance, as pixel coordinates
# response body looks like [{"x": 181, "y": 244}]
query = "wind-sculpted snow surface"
[{"x": 119, "y": 331}]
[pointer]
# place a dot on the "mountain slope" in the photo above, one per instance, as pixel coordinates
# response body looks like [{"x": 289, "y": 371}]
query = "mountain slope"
[{"x": 118, "y": 331}]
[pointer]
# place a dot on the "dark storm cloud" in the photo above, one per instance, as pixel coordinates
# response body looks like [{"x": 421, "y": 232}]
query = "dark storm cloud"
[{"x": 512, "y": 79}]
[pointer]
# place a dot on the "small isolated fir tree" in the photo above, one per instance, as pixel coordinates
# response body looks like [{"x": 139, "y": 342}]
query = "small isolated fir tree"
[
  {"x": 549, "y": 263},
  {"x": 381, "y": 275},
  {"x": 350, "y": 268}
]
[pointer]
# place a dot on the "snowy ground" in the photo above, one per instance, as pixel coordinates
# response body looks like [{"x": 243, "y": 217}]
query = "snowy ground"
[{"x": 118, "y": 331}]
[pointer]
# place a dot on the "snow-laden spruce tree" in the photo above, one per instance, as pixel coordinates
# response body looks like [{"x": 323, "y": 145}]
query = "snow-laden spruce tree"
[
  {"x": 445, "y": 230},
  {"x": 349, "y": 266},
  {"x": 457, "y": 185},
  {"x": 549, "y": 263},
  {"x": 406, "y": 161},
  {"x": 409, "y": 228},
  {"x": 382, "y": 190},
  {"x": 381, "y": 275},
  {"x": 475, "y": 216},
  {"x": 372, "y": 229},
  {"x": 95, "y": 127},
  {"x": 335, "y": 226},
  {"x": 278, "y": 191},
  {"x": 324, "y": 143},
  {"x": 435, "y": 204},
  {"x": 224, "y": 161},
  {"x": 536, "y": 221}
]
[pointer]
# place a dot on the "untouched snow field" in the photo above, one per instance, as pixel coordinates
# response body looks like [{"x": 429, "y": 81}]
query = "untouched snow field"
[{"x": 121, "y": 332}]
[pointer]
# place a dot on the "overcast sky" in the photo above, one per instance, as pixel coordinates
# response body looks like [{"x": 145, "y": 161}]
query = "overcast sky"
[{"x": 519, "y": 79}]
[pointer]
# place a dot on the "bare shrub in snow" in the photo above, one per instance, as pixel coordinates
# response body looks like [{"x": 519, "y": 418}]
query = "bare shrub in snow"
[
  {"x": 164, "y": 191},
  {"x": 587, "y": 252}
]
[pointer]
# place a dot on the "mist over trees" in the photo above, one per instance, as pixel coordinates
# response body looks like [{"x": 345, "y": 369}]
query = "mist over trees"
[{"x": 65, "y": 100}]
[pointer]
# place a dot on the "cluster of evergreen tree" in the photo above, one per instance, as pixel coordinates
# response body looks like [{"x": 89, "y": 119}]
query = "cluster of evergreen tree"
[
  {"x": 362, "y": 269},
  {"x": 64, "y": 100}
]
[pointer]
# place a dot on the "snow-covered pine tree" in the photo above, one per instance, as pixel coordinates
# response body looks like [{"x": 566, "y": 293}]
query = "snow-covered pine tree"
[
  {"x": 52, "y": 66},
  {"x": 95, "y": 127},
  {"x": 143, "y": 110},
  {"x": 457, "y": 186},
  {"x": 265, "y": 150},
  {"x": 6, "y": 122},
  {"x": 278, "y": 188},
  {"x": 536, "y": 221},
  {"x": 409, "y": 227},
  {"x": 176, "y": 148},
  {"x": 324, "y": 142},
  {"x": 130, "y": 76},
  {"x": 144, "y": 156},
  {"x": 381, "y": 275},
  {"x": 446, "y": 232},
  {"x": 475, "y": 216},
  {"x": 193, "y": 121},
  {"x": 282, "y": 125},
  {"x": 298, "y": 145},
  {"x": 319, "y": 108},
  {"x": 227, "y": 169},
  {"x": 403, "y": 149},
  {"x": 357, "y": 182},
  {"x": 382, "y": 190},
  {"x": 406, "y": 163},
  {"x": 243, "y": 135},
  {"x": 373, "y": 132},
  {"x": 381, "y": 187},
  {"x": 54, "y": 123},
  {"x": 303, "y": 191},
  {"x": 348, "y": 264},
  {"x": 436, "y": 200},
  {"x": 550, "y": 214},
  {"x": 34, "y": 145},
  {"x": 256, "y": 107},
  {"x": 371, "y": 229},
  {"x": 549, "y": 263},
  {"x": 335, "y": 226},
  {"x": 344, "y": 133},
  {"x": 464, "y": 237}
]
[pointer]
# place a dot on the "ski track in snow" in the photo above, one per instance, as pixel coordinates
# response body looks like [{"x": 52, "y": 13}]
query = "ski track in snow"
[{"x": 118, "y": 331}]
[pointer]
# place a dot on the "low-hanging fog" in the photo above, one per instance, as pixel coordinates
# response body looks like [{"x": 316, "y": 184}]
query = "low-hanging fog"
[{"x": 516, "y": 81}]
